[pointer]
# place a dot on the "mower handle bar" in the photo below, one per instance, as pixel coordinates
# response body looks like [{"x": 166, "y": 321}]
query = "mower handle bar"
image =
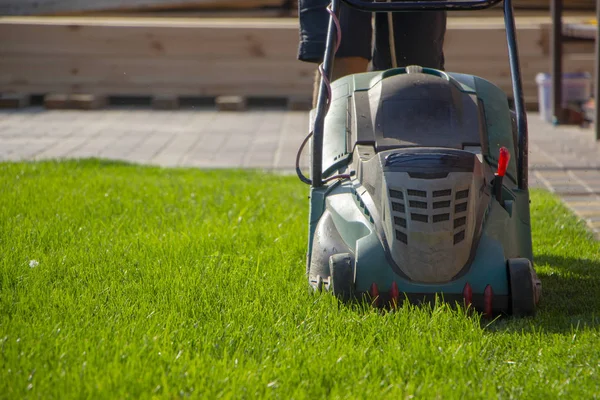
[{"x": 433, "y": 5}]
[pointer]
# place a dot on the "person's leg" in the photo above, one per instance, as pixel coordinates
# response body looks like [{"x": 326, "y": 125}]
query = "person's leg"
[
  {"x": 354, "y": 53},
  {"x": 342, "y": 66},
  {"x": 418, "y": 36}
]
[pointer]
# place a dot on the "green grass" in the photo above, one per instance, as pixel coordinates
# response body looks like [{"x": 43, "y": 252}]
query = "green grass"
[{"x": 177, "y": 283}]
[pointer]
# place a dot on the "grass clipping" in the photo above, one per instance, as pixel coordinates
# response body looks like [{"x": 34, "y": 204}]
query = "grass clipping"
[{"x": 118, "y": 281}]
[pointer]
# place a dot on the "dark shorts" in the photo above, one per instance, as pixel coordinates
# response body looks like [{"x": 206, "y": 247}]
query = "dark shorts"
[{"x": 419, "y": 36}]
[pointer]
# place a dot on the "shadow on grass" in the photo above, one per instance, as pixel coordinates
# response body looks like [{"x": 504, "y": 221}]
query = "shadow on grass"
[
  {"x": 570, "y": 297},
  {"x": 574, "y": 287}
]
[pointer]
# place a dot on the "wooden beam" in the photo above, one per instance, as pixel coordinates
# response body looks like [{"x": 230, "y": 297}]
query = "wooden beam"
[
  {"x": 187, "y": 13},
  {"x": 13, "y": 100},
  {"x": 117, "y": 57},
  {"x": 46, "y": 7},
  {"x": 231, "y": 103}
]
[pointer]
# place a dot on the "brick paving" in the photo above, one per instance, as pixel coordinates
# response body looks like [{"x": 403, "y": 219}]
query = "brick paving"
[
  {"x": 563, "y": 160},
  {"x": 266, "y": 139},
  {"x": 566, "y": 161}
]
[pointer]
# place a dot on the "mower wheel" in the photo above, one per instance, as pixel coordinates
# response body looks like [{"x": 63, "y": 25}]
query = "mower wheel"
[
  {"x": 341, "y": 280},
  {"x": 522, "y": 287}
]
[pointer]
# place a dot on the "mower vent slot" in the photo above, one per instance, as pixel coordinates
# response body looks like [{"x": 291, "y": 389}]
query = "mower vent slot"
[
  {"x": 398, "y": 207},
  {"x": 419, "y": 217},
  {"x": 463, "y": 194},
  {"x": 400, "y": 221},
  {"x": 459, "y": 237},
  {"x": 441, "y": 204},
  {"x": 458, "y": 222},
  {"x": 441, "y": 217},
  {"x": 396, "y": 194},
  {"x": 418, "y": 204},
  {"x": 417, "y": 193},
  {"x": 462, "y": 207},
  {"x": 401, "y": 237},
  {"x": 442, "y": 193},
  {"x": 338, "y": 157}
]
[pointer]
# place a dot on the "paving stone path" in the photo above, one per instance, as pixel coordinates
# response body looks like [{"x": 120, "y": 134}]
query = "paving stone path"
[{"x": 564, "y": 160}]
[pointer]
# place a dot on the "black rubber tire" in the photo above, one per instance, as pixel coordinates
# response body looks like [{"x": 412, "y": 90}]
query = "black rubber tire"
[
  {"x": 341, "y": 280},
  {"x": 522, "y": 295}
]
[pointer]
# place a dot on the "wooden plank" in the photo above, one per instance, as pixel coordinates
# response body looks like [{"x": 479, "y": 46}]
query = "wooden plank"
[
  {"x": 157, "y": 37},
  {"x": 86, "y": 101},
  {"x": 49, "y": 7},
  {"x": 139, "y": 76},
  {"x": 545, "y": 4},
  {"x": 188, "y": 13},
  {"x": 231, "y": 103},
  {"x": 300, "y": 103},
  {"x": 59, "y": 101},
  {"x": 120, "y": 37},
  {"x": 165, "y": 102},
  {"x": 569, "y": 46},
  {"x": 14, "y": 100},
  {"x": 114, "y": 57},
  {"x": 56, "y": 101}
]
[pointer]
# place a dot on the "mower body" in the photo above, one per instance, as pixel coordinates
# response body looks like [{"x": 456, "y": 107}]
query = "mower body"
[{"x": 418, "y": 214}]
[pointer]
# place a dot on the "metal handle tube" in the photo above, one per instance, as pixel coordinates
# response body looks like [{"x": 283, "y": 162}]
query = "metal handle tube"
[
  {"x": 322, "y": 102},
  {"x": 556, "y": 9},
  {"x": 515, "y": 71},
  {"x": 434, "y": 5}
]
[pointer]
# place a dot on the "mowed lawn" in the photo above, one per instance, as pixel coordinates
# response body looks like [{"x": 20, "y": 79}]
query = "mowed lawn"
[{"x": 119, "y": 281}]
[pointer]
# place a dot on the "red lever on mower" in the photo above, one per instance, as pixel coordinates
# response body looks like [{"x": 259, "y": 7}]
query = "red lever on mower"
[{"x": 503, "y": 160}]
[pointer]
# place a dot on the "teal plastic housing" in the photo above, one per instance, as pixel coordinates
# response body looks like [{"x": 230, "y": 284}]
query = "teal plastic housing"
[
  {"x": 507, "y": 230},
  {"x": 506, "y": 235},
  {"x": 336, "y": 149}
]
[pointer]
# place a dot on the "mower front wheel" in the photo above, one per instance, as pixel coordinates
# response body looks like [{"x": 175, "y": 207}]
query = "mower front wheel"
[
  {"x": 341, "y": 280},
  {"x": 522, "y": 287}
]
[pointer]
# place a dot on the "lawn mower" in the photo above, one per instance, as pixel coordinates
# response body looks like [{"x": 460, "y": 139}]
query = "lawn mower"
[{"x": 419, "y": 182}]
